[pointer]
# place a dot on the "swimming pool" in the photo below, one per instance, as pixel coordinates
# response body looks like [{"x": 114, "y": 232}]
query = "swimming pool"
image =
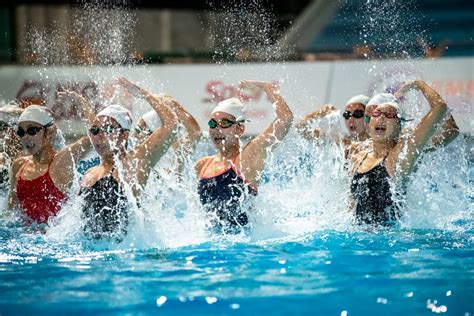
[
  {"x": 303, "y": 256},
  {"x": 329, "y": 272}
]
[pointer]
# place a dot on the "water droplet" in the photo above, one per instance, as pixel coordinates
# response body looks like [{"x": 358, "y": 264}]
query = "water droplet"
[
  {"x": 409, "y": 294},
  {"x": 448, "y": 293},
  {"x": 234, "y": 306},
  {"x": 211, "y": 299},
  {"x": 344, "y": 313},
  {"x": 161, "y": 300}
]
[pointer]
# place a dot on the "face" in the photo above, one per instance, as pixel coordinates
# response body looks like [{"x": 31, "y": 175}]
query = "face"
[
  {"x": 34, "y": 136},
  {"x": 355, "y": 126},
  {"x": 107, "y": 136},
  {"x": 225, "y": 138},
  {"x": 383, "y": 128}
]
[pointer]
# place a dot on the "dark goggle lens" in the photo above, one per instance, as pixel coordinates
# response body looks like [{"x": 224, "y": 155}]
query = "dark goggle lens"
[
  {"x": 32, "y": 131},
  {"x": 94, "y": 130},
  {"x": 212, "y": 123},
  {"x": 358, "y": 114},
  {"x": 108, "y": 129}
]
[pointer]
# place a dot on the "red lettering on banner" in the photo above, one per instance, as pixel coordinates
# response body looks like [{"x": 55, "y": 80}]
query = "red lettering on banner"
[
  {"x": 454, "y": 88},
  {"x": 37, "y": 90},
  {"x": 470, "y": 88},
  {"x": 218, "y": 91}
]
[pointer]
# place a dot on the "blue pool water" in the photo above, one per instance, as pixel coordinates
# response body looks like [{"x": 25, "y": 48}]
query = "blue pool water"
[
  {"x": 302, "y": 256},
  {"x": 328, "y": 273}
]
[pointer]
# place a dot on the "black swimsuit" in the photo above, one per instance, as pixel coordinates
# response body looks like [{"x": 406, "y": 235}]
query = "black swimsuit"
[
  {"x": 371, "y": 190},
  {"x": 105, "y": 210},
  {"x": 223, "y": 196}
]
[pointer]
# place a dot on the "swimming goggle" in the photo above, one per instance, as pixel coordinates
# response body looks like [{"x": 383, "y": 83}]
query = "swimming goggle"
[
  {"x": 107, "y": 129},
  {"x": 32, "y": 130},
  {"x": 356, "y": 114},
  {"x": 389, "y": 115},
  {"x": 224, "y": 123}
]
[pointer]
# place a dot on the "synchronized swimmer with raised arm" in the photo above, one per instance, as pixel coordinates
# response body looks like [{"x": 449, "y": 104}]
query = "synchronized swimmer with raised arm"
[{"x": 41, "y": 177}]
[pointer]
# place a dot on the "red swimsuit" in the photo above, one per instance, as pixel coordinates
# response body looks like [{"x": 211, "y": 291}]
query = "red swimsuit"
[{"x": 39, "y": 197}]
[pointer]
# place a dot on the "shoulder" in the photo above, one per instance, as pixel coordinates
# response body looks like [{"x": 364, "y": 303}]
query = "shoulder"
[
  {"x": 90, "y": 177},
  {"x": 17, "y": 163},
  {"x": 201, "y": 163},
  {"x": 358, "y": 156}
]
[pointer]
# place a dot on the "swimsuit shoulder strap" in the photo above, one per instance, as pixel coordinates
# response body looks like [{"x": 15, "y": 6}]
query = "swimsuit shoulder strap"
[
  {"x": 49, "y": 165},
  {"x": 363, "y": 159},
  {"x": 23, "y": 167},
  {"x": 206, "y": 165}
]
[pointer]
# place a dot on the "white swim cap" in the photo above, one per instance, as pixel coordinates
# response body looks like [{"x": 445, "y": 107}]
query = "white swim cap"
[
  {"x": 10, "y": 113},
  {"x": 152, "y": 120},
  {"x": 390, "y": 99},
  {"x": 231, "y": 106},
  {"x": 118, "y": 113},
  {"x": 38, "y": 114},
  {"x": 363, "y": 99}
]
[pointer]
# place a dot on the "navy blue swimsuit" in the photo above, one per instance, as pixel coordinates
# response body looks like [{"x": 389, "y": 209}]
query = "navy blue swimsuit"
[
  {"x": 371, "y": 190},
  {"x": 105, "y": 210},
  {"x": 223, "y": 196}
]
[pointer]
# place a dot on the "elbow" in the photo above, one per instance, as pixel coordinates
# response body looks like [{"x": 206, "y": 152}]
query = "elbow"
[
  {"x": 288, "y": 117},
  {"x": 171, "y": 123},
  {"x": 442, "y": 107}
]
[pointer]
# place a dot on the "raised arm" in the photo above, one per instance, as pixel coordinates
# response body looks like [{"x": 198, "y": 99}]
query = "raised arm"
[
  {"x": 423, "y": 132},
  {"x": 304, "y": 127},
  {"x": 80, "y": 102},
  {"x": 255, "y": 153},
  {"x": 450, "y": 131},
  {"x": 192, "y": 127},
  {"x": 68, "y": 156},
  {"x": 154, "y": 146}
]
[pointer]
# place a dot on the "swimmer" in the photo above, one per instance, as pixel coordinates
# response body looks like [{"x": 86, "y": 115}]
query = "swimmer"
[
  {"x": 106, "y": 206},
  {"x": 233, "y": 174},
  {"x": 10, "y": 148},
  {"x": 352, "y": 134},
  {"x": 353, "y": 117},
  {"x": 391, "y": 158},
  {"x": 184, "y": 146},
  {"x": 40, "y": 182}
]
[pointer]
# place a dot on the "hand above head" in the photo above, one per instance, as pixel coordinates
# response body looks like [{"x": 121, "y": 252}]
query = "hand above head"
[
  {"x": 264, "y": 85},
  {"x": 132, "y": 88},
  {"x": 80, "y": 101},
  {"x": 408, "y": 86},
  {"x": 69, "y": 95}
]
